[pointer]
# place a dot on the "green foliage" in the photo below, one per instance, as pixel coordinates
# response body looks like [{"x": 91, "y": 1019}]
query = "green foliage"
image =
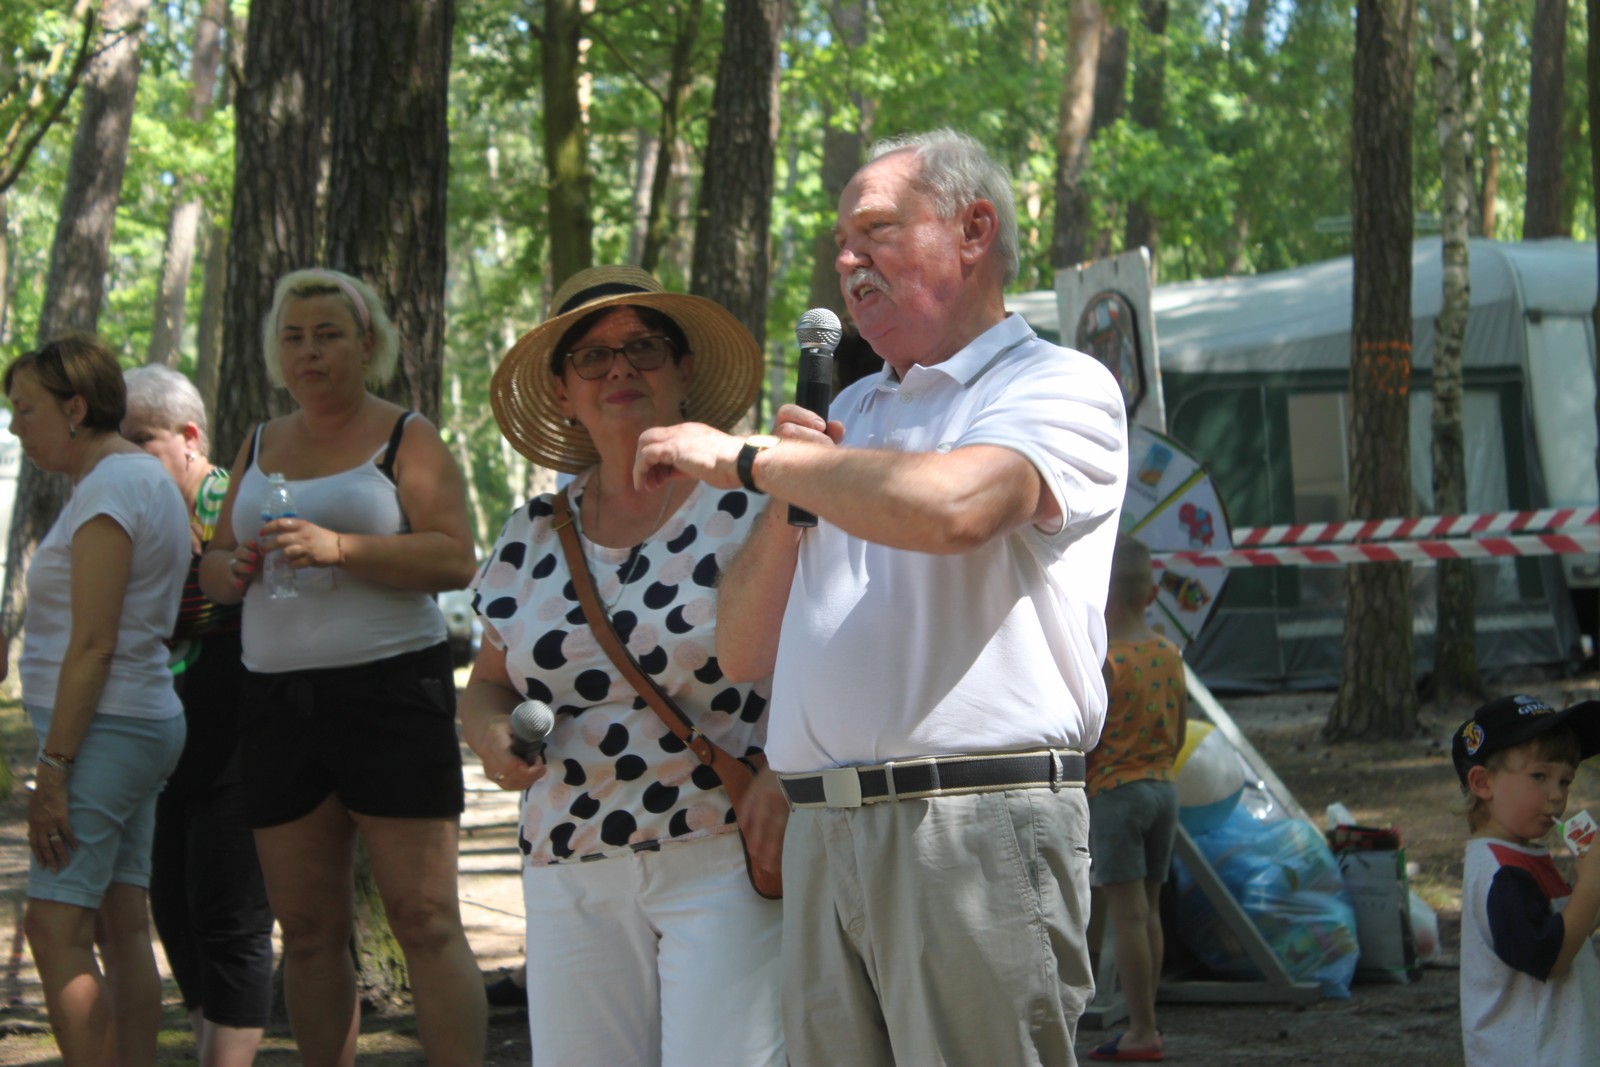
[{"x": 1251, "y": 152}]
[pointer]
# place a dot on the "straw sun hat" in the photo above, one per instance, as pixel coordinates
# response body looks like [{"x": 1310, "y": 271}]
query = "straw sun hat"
[{"x": 727, "y": 365}]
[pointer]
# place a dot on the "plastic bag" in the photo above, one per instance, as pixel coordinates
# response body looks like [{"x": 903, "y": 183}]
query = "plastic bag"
[
  {"x": 1425, "y": 927},
  {"x": 1285, "y": 878}
]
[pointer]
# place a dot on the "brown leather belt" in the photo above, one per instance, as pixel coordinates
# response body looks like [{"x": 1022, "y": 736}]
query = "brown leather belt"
[{"x": 935, "y": 776}]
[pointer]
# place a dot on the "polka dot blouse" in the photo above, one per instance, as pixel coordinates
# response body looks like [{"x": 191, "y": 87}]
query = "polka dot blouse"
[{"x": 619, "y": 781}]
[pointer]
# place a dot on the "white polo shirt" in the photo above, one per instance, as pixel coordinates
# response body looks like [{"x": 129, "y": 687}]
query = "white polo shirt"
[{"x": 888, "y": 654}]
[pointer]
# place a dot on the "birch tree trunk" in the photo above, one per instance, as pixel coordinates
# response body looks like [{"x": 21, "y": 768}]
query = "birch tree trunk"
[
  {"x": 183, "y": 225},
  {"x": 75, "y": 286},
  {"x": 1376, "y": 696},
  {"x": 1455, "y": 657}
]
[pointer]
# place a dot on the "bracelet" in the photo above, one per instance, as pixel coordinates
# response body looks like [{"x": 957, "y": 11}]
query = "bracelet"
[{"x": 59, "y": 761}]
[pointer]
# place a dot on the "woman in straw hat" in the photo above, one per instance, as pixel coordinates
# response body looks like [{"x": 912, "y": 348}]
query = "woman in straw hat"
[
  {"x": 348, "y": 717},
  {"x": 646, "y": 943}
]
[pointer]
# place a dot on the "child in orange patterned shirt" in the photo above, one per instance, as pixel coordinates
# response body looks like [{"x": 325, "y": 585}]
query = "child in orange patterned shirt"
[{"x": 1133, "y": 804}]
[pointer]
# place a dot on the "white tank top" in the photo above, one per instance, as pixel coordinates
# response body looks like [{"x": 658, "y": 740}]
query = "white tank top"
[{"x": 338, "y": 620}]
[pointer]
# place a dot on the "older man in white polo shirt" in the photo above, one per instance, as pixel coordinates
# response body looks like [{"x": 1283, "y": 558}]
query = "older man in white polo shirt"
[{"x": 936, "y": 639}]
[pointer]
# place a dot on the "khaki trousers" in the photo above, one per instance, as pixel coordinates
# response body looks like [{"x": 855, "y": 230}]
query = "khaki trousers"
[{"x": 944, "y": 931}]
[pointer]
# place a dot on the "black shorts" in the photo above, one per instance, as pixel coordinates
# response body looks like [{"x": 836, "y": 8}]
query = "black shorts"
[{"x": 380, "y": 736}]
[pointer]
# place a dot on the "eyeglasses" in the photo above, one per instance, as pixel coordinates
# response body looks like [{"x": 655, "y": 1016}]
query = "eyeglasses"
[{"x": 644, "y": 353}]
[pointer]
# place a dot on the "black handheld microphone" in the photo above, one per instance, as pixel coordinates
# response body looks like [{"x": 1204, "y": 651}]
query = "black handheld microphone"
[
  {"x": 531, "y": 723},
  {"x": 818, "y": 333}
]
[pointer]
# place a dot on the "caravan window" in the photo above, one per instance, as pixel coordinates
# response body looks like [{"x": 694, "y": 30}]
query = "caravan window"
[{"x": 1319, "y": 462}]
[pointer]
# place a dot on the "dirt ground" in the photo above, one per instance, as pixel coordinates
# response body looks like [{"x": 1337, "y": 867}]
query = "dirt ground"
[{"x": 1408, "y": 784}]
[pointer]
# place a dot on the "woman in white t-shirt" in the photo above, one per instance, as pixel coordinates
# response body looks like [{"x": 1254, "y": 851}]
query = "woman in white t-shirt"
[{"x": 103, "y": 592}]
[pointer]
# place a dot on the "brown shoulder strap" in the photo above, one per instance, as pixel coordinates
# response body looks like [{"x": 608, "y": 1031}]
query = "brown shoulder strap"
[{"x": 682, "y": 727}]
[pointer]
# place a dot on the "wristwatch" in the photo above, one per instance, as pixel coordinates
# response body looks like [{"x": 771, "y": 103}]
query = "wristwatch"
[{"x": 753, "y": 446}]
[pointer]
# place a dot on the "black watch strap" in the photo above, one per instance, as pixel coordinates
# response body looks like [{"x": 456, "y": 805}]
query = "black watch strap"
[{"x": 747, "y": 466}]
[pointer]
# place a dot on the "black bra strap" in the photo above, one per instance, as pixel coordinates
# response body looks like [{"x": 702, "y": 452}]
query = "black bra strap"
[
  {"x": 386, "y": 464},
  {"x": 255, "y": 443}
]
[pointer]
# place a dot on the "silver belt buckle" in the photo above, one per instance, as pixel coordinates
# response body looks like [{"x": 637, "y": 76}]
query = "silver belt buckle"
[{"x": 841, "y": 787}]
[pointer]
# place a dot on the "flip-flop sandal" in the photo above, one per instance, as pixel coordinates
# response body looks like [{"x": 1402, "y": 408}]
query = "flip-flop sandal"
[{"x": 1110, "y": 1051}]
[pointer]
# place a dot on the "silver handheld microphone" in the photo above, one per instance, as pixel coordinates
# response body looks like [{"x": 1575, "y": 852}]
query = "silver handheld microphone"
[
  {"x": 818, "y": 333},
  {"x": 531, "y": 723}
]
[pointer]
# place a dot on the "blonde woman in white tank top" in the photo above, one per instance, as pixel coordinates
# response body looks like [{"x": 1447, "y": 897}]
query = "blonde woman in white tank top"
[{"x": 354, "y": 733}]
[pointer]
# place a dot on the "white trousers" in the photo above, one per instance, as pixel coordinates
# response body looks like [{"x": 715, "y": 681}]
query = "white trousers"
[{"x": 664, "y": 959}]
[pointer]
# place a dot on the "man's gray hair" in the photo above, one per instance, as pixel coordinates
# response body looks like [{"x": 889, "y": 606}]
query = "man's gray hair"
[
  {"x": 956, "y": 170},
  {"x": 161, "y": 397}
]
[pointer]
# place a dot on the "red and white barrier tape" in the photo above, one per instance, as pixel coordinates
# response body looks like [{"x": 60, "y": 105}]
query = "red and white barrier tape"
[
  {"x": 1431, "y": 526},
  {"x": 1584, "y": 541}
]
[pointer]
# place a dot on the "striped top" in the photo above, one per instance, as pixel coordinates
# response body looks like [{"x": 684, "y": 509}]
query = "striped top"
[{"x": 197, "y": 615}]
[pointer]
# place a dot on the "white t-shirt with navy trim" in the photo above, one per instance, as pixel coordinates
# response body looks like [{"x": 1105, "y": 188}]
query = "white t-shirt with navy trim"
[{"x": 1512, "y": 1011}]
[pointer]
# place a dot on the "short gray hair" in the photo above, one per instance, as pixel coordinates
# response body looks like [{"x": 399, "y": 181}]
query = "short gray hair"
[
  {"x": 320, "y": 281},
  {"x": 160, "y": 396},
  {"x": 956, "y": 170}
]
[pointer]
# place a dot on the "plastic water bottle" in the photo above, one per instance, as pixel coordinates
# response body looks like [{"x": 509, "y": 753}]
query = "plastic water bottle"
[{"x": 279, "y": 576}]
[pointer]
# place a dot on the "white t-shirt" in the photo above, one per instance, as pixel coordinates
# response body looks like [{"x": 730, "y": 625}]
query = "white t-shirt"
[
  {"x": 1512, "y": 1011},
  {"x": 136, "y": 492},
  {"x": 888, "y": 654}
]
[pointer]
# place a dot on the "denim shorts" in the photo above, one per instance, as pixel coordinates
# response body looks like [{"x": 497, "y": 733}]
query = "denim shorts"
[
  {"x": 1131, "y": 829},
  {"x": 111, "y": 803}
]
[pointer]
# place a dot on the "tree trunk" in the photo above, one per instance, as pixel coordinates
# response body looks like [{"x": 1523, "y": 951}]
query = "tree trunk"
[
  {"x": 388, "y": 163},
  {"x": 1149, "y": 92},
  {"x": 183, "y": 226},
  {"x": 1085, "y": 22},
  {"x": 208, "y": 332},
  {"x": 389, "y": 159},
  {"x": 1491, "y": 188},
  {"x": 733, "y": 222},
  {"x": 75, "y": 286},
  {"x": 5, "y": 273},
  {"x": 1455, "y": 657},
  {"x": 1110, "y": 101},
  {"x": 843, "y": 151},
  {"x": 280, "y": 119},
  {"x": 1594, "y": 168},
  {"x": 680, "y": 80},
  {"x": 1376, "y": 695},
  {"x": 1546, "y": 91},
  {"x": 1252, "y": 43},
  {"x": 1470, "y": 81},
  {"x": 566, "y": 142},
  {"x": 39, "y": 88},
  {"x": 214, "y": 300}
]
